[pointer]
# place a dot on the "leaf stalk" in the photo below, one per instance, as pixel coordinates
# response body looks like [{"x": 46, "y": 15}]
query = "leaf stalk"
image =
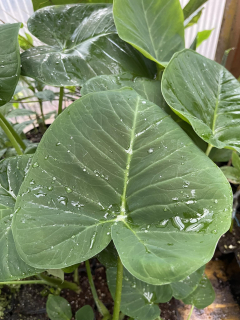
[{"x": 118, "y": 293}]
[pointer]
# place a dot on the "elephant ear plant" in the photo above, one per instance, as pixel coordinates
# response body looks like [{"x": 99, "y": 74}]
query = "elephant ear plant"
[{"x": 116, "y": 176}]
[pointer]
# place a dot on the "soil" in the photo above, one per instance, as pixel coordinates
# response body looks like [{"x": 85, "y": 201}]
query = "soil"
[{"x": 29, "y": 301}]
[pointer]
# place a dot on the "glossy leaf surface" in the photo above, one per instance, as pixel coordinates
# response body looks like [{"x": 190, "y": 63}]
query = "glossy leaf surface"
[
  {"x": 85, "y": 313},
  {"x": 9, "y": 61},
  {"x": 58, "y": 308},
  {"x": 12, "y": 173},
  {"x": 45, "y": 3},
  {"x": 77, "y": 51},
  {"x": 114, "y": 165},
  {"x": 147, "y": 88},
  {"x": 207, "y": 95},
  {"x": 203, "y": 296},
  {"x": 139, "y": 299},
  {"x": 185, "y": 287},
  {"x": 148, "y": 25}
]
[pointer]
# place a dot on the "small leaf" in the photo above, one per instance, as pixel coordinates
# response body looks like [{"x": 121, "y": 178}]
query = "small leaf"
[
  {"x": 191, "y": 7},
  {"x": 58, "y": 308},
  {"x": 232, "y": 174},
  {"x": 185, "y": 287},
  {"x": 127, "y": 172},
  {"x": 24, "y": 43},
  {"x": 45, "y": 95},
  {"x": 203, "y": 296},
  {"x": 9, "y": 61},
  {"x": 85, "y": 313},
  {"x": 193, "y": 19},
  {"x": 203, "y": 36},
  {"x": 202, "y": 93},
  {"x": 139, "y": 299},
  {"x": 77, "y": 51},
  {"x": 108, "y": 257},
  {"x": 56, "y": 273},
  {"x": 148, "y": 25}
]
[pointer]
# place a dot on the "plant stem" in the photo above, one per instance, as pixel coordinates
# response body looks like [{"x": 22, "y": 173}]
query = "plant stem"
[
  {"x": 24, "y": 282},
  {"x": 118, "y": 293},
  {"x": 12, "y": 135},
  {"x": 209, "y": 148},
  {"x": 43, "y": 118},
  {"x": 58, "y": 283},
  {"x": 76, "y": 276},
  {"x": 159, "y": 72},
  {"x": 60, "y": 100},
  {"x": 190, "y": 314},
  {"x": 101, "y": 307}
]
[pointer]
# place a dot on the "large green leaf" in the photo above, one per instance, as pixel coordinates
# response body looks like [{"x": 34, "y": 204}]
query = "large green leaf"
[
  {"x": 12, "y": 174},
  {"x": 85, "y": 313},
  {"x": 139, "y": 299},
  {"x": 147, "y": 88},
  {"x": 184, "y": 288},
  {"x": 82, "y": 42},
  {"x": 9, "y": 61},
  {"x": 154, "y": 27},
  {"x": 114, "y": 165},
  {"x": 58, "y": 308},
  {"x": 203, "y": 296},
  {"x": 37, "y": 4},
  {"x": 207, "y": 95}
]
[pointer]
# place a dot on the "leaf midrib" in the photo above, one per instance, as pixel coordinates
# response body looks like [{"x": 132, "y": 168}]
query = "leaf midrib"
[
  {"x": 129, "y": 158},
  {"x": 217, "y": 103}
]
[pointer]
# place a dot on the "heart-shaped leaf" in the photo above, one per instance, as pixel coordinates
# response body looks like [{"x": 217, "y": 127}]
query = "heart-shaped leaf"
[
  {"x": 82, "y": 42},
  {"x": 184, "y": 288},
  {"x": 203, "y": 296},
  {"x": 147, "y": 88},
  {"x": 148, "y": 25},
  {"x": 85, "y": 313},
  {"x": 114, "y": 165},
  {"x": 12, "y": 174},
  {"x": 58, "y": 308},
  {"x": 9, "y": 61},
  {"x": 139, "y": 299},
  {"x": 207, "y": 95}
]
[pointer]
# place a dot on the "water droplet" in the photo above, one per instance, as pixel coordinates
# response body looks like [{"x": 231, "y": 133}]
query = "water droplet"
[
  {"x": 63, "y": 200},
  {"x": 150, "y": 150},
  {"x": 58, "y": 144},
  {"x": 68, "y": 190},
  {"x": 35, "y": 165},
  {"x": 50, "y": 188}
]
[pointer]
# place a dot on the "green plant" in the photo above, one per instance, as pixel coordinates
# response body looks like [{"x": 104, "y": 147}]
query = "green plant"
[{"x": 120, "y": 174}]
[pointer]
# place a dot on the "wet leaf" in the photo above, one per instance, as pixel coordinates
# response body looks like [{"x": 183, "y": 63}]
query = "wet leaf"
[
  {"x": 149, "y": 27},
  {"x": 85, "y": 313},
  {"x": 147, "y": 88},
  {"x": 115, "y": 166},
  {"x": 203, "y": 296},
  {"x": 139, "y": 299},
  {"x": 77, "y": 51},
  {"x": 12, "y": 173},
  {"x": 9, "y": 61},
  {"x": 206, "y": 95},
  {"x": 184, "y": 288},
  {"x": 58, "y": 308}
]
